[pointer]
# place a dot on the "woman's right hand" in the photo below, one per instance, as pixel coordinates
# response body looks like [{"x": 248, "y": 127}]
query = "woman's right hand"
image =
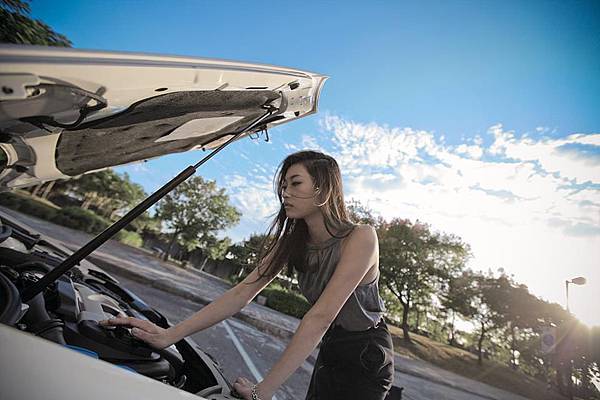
[{"x": 154, "y": 335}]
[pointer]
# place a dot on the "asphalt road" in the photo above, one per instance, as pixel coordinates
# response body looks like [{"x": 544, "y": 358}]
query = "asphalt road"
[
  {"x": 256, "y": 351},
  {"x": 263, "y": 350},
  {"x": 242, "y": 350}
]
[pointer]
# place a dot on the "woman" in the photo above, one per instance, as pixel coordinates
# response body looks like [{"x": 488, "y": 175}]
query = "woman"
[{"x": 338, "y": 272}]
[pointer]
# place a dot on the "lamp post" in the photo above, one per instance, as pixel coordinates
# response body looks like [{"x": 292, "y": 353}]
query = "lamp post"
[{"x": 580, "y": 280}]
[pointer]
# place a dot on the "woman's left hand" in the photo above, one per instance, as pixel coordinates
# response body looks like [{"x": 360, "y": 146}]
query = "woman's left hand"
[{"x": 244, "y": 388}]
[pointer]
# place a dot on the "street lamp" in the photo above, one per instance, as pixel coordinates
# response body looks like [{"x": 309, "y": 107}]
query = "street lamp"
[{"x": 580, "y": 280}]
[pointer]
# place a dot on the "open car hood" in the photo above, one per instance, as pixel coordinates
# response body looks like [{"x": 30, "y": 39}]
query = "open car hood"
[{"x": 65, "y": 112}]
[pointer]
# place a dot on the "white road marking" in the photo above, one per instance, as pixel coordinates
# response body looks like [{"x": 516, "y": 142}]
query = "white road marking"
[{"x": 244, "y": 354}]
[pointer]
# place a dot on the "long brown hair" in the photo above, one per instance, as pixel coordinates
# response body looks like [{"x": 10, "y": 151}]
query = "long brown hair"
[{"x": 286, "y": 241}]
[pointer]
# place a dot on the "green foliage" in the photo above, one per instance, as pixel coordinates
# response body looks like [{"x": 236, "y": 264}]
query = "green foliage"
[
  {"x": 487, "y": 305},
  {"x": 70, "y": 217},
  {"x": 80, "y": 219},
  {"x": 392, "y": 305},
  {"x": 457, "y": 299},
  {"x": 105, "y": 191},
  {"x": 145, "y": 223},
  {"x": 129, "y": 238},
  {"x": 195, "y": 211},
  {"x": 246, "y": 254},
  {"x": 458, "y": 295},
  {"x": 214, "y": 248},
  {"x": 17, "y": 27},
  {"x": 285, "y": 301},
  {"x": 27, "y": 205},
  {"x": 414, "y": 261},
  {"x": 361, "y": 214}
]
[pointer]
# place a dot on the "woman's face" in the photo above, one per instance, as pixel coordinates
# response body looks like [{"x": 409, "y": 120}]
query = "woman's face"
[{"x": 299, "y": 193}]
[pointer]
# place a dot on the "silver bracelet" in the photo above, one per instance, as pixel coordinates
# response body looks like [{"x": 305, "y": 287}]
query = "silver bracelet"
[{"x": 254, "y": 393}]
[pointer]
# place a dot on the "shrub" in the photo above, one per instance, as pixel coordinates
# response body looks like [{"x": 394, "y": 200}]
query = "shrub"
[
  {"x": 71, "y": 217},
  {"x": 129, "y": 238},
  {"x": 78, "y": 218},
  {"x": 27, "y": 205},
  {"x": 287, "y": 302}
]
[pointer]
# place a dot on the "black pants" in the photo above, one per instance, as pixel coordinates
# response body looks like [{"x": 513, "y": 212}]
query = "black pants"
[{"x": 353, "y": 365}]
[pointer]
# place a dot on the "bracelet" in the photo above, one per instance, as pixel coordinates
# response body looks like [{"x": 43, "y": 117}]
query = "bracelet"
[{"x": 254, "y": 393}]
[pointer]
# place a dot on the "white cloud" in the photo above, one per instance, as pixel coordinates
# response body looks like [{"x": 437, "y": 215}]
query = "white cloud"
[
  {"x": 514, "y": 179},
  {"x": 474, "y": 151},
  {"x": 292, "y": 147},
  {"x": 253, "y": 196},
  {"x": 547, "y": 152},
  {"x": 523, "y": 204},
  {"x": 311, "y": 143},
  {"x": 529, "y": 205},
  {"x": 585, "y": 139},
  {"x": 140, "y": 167}
]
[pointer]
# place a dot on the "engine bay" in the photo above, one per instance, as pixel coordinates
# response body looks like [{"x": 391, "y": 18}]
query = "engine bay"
[{"x": 67, "y": 312}]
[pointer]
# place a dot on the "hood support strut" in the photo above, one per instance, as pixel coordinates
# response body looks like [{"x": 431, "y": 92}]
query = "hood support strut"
[{"x": 30, "y": 292}]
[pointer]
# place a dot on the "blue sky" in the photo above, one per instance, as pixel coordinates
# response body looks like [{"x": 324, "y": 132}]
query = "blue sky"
[{"x": 480, "y": 118}]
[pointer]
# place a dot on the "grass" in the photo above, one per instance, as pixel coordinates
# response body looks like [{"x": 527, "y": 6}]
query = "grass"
[{"x": 463, "y": 363}]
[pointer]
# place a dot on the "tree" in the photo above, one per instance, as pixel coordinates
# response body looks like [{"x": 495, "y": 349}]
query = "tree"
[
  {"x": 146, "y": 223},
  {"x": 488, "y": 303},
  {"x": 246, "y": 254},
  {"x": 457, "y": 299},
  {"x": 576, "y": 356},
  {"x": 504, "y": 309},
  {"x": 214, "y": 248},
  {"x": 362, "y": 214},
  {"x": 106, "y": 191},
  {"x": 194, "y": 211},
  {"x": 414, "y": 261},
  {"x": 521, "y": 316},
  {"x": 16, "y": 26}
]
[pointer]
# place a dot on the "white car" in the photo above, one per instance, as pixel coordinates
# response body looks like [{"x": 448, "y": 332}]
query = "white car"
[{"x": 66, "y": 112}]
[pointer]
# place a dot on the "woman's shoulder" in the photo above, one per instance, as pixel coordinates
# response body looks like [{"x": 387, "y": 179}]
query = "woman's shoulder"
[
  {"x": 363, "y": 229},
  {"x": 362, "y": 234}
]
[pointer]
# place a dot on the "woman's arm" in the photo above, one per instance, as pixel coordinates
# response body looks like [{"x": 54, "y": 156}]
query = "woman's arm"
[
  {"x": 230, "y": 303},
  {"x": 223, "y": 307},
  {"x": 358, "y": 255}
]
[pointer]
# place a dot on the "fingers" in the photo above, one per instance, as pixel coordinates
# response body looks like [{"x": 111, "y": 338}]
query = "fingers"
[
  {"x": 114, "y": 321},
  {"x": 125, "y": 321},
  {"x": 140, "y": 334},
  {"x": 243, "y": 387},
  {"x": 243, "y": 382}
]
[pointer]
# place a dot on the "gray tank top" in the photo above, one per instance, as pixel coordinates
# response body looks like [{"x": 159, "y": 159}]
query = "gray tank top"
[{"x": 364, "y": 307}]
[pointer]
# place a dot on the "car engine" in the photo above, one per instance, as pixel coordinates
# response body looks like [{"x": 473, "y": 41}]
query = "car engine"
[{"x": 67, "y": 312}]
